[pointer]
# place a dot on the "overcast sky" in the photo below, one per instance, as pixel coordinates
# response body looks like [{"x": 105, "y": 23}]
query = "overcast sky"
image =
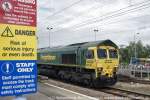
[{"x": 74, "y": 21}]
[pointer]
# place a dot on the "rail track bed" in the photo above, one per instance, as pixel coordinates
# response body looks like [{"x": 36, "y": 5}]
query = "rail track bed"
[
  {"x": 126, "y": 93},
  {"x": 128, "y": 79},
  {"x": 75, "y": 87},
  {"x": 107, "y": 92}
]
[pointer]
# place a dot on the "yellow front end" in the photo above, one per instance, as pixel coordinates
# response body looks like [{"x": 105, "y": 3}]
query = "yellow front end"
[
  {"x": 107, "y": 64},
  {"x": 105, "y": 61}
]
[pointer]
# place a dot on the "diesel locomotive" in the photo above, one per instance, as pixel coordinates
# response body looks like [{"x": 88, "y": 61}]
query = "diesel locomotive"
[{"x": 91, "y": 63}]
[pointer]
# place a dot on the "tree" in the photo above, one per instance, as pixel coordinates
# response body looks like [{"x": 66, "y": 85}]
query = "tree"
[{"x": 129, "y": 51}]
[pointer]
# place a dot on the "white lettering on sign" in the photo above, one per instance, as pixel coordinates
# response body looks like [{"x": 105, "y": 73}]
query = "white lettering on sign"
[
  {"x": 24, "y": 69},
  {"x": 27, "y": 1},
  {"x": 6, "y": 77},
  {"x": 25, "y": 64}
]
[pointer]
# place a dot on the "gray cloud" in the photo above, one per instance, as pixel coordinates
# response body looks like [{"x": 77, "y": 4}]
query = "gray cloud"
[{"x": 68, "y": 28}]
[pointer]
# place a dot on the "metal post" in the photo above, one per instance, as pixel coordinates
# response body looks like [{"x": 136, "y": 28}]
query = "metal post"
[
  {"x": 135, "y": 49},
  {"x": 148, "y": 72},
  {"x": 134, "y": 46},
  {"x": 95, "y": 30},
  {"x": 121, "y": 68},
  {"x": 131, "y": 69},
  {"x": 141, "y": 71},
  {"x": 49, "y": 40},
  {"x": 134, "y": 71},
  {"x": 49, "y": 28}
]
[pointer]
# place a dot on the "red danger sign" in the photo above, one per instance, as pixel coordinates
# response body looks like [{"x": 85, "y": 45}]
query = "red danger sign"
[{"x": 18, "y": 12}]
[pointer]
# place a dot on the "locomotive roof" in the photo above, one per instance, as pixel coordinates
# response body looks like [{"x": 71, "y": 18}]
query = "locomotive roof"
[
  {"x": 95, "y": 43},
  {"x": 83, "y": 45}
]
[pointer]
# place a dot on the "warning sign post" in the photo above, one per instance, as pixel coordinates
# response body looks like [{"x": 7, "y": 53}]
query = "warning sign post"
[{"x": 18, "y": 52}]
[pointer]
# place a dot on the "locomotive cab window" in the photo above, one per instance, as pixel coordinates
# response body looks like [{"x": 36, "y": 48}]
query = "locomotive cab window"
[
  {"x": 90, "y": 54},
  {"x": 113, "y": 53},
  {"x": 102, "y": 53}
]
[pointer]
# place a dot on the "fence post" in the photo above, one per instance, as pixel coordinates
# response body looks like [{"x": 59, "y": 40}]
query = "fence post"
[
  {"x": 120, "y": 68},
  {"x": 134, "y": 66},
  {"x": 148, "y": 72},
  {"x": 141, "y": 71},
  {"x": 130, "y": 69}
]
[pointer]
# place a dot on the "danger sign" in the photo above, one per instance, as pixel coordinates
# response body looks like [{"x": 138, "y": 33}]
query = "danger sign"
[{"x": 19, "y": 42}]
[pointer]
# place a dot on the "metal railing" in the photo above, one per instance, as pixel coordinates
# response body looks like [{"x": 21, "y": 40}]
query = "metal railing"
[{"x": 135, "y": 71}]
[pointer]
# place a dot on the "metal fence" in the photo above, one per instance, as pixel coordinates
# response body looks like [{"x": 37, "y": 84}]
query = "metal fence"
[{"x": 135, "y": 71}]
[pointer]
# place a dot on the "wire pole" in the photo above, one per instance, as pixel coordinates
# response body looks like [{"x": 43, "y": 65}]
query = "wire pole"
[
  {"x": 95, "y": 31},
  {"x": 135, "y": 48},
  {"x": 49, "y": 28}
]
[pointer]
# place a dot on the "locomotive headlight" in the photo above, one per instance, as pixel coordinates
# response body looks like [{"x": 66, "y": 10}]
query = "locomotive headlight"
[
  {"x": 99, "y": 69},
  {"x": 115, "y": 69}
]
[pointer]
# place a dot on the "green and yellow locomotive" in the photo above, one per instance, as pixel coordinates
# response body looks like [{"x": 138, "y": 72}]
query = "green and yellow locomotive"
[{"x": 92, "y": 63}]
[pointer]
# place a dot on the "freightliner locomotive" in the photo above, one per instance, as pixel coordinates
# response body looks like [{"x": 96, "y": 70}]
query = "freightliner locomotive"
[{"x": 91, "y": 63}]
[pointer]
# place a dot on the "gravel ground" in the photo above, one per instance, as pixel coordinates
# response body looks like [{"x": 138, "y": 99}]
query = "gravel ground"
[
  {"x": 137, "y": 87},
  {"x": 84, "y": 90}
]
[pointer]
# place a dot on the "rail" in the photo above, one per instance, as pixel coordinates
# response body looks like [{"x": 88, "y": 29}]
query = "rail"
[{"x": 126, "y": 93}]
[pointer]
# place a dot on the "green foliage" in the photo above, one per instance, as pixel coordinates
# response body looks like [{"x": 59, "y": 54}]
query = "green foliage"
[{"x": 129, "y": 51}]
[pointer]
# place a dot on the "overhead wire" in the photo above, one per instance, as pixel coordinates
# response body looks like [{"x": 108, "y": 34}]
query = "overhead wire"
[
  {"x": 75, "y": 4},
  {"x": 111, "y": 16},
  {"x": 122, "y": 13},
  {"x": 81, "y": 14},
  {"x": 137, "y": 4},
  {"x": 117, "y": 32},
  {"x": 62, "y": 10},
  {"x": 116, "y": 16}
]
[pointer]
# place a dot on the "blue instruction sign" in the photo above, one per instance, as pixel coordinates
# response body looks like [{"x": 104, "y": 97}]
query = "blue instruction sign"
[{"x": 18, "y": 77}]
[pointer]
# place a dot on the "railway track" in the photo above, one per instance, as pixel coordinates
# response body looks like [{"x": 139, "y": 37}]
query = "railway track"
[
  {"x": 126, "y": 93},
  {"x": 118, "y": 92},
  {"x": 128, "y": 79}
]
